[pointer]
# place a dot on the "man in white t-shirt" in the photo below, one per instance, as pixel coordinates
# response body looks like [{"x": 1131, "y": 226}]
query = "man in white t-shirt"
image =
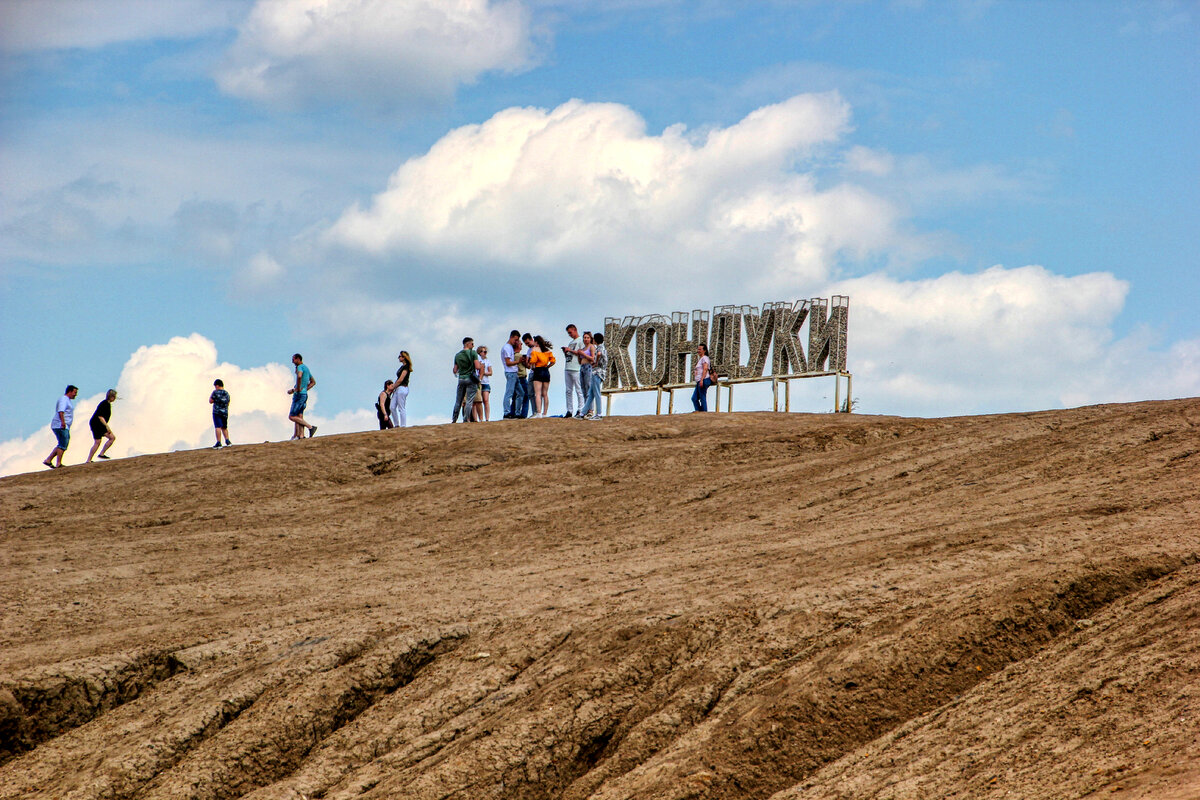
[
  {"x": 574, "y": 386},
  {"x": 60, "y": 425},
  {"x": 508, "y": 357}
]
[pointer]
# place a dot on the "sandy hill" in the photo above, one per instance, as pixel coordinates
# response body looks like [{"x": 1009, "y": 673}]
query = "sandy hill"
[{"x": 758, "y": 605}]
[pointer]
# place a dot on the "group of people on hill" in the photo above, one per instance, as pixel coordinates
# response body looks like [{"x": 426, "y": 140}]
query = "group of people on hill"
[
  {"x": 526, "y": 360},
  {"x": 102, "y": 433}
]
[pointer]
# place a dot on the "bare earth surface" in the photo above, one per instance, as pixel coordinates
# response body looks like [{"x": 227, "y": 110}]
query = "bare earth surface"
[{"x": 748, "y": 606}]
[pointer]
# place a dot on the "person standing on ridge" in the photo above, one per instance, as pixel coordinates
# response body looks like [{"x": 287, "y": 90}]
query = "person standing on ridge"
[
  {"x": 219, "y": 399},
  {"x": 299, "y": 392},
  {"x": 599, "y": 373},
  {"x": 483, "y": 408},
  {"x": 523, "y": 407},
  {"x": 571, "y": 379},
  {"x": 541, "y": 359},
  {"x": 381, "y": 405},
  {"x": 702, "y": 375},
  {"x": 466, "y": 367},
  {"x": 60, "y": 424},
  {"x": 510, "y": 359},
  {"x": 100, "y": 427},
  {"x": 400, "y": 391}
]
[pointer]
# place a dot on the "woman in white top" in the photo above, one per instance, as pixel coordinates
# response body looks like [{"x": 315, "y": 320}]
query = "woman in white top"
[
  {"x": 485, "y": 387},
  {"x": 702, "y": 378}
]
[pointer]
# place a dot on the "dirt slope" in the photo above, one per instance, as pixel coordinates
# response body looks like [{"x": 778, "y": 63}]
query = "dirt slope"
[{"x": 756, "y": 605}]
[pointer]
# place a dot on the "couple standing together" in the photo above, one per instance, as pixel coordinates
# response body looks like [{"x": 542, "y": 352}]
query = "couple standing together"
[{"x": 393, "y": 400}]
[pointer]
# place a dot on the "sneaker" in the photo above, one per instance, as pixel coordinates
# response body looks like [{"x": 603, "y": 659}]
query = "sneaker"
[
  {"x": 312, "y": 431},
  {"x": 578, "y": 415},
  {"x": 102, "y": 456},
  {"x": 216, "y": 446},
  {"x": 228, "y": 443}
]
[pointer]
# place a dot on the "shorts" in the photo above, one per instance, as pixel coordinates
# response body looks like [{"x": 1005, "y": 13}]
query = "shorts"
[
  {"x": 541, "y": 374},
  {"x": 485, "y": 387},
  {"x": 299, "y": 403},
  {"x": 64, "y": 437},
  {"x": 220, "y": 421},
  {"x": 98, "y": 429}
]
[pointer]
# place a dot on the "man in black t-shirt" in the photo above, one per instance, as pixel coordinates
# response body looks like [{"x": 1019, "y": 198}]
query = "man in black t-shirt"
[{"x": 100, "y": 427}]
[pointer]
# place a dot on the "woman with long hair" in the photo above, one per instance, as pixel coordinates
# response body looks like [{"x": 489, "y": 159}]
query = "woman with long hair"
[
  {"x": 703, "y": 379},
  {"x": 483, "y": 395},
  {"x": 400, "y": 390},
  {"x": 587, "y": 357},
  {"x": 541, "y": 358}
]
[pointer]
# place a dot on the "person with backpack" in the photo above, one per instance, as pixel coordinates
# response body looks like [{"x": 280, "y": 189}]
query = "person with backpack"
[{"x": 466, "y": 366}]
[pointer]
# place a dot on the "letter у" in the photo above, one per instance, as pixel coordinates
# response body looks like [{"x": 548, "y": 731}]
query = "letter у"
[
  {"x": 827, "y": 334},
  {"x": 787, "y": 354},
  {"x": 681, "y": 347},
  {"x": 617, "y": 338},
  {"x": 758, "y": 337}
]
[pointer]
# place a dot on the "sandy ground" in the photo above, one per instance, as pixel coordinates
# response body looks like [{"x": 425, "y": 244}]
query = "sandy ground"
[{"x": 747, "y": 606}]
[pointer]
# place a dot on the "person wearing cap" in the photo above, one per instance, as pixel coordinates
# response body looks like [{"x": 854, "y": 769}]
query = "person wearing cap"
[
  {"x": 101, "y": 429},
  {"x": 60, "y": 425}
]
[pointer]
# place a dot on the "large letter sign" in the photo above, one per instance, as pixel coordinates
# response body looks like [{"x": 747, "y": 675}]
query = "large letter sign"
[{"x": 665, "y": 348}]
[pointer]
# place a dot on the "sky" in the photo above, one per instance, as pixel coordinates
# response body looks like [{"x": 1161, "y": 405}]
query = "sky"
[{"x": 193, "y": 190}]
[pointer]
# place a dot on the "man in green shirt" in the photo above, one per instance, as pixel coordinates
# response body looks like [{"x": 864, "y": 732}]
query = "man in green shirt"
[{"x": 466, "y": 367}]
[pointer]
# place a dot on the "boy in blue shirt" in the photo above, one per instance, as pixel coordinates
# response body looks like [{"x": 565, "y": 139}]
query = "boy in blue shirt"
[{"x": 220, "y": 403}]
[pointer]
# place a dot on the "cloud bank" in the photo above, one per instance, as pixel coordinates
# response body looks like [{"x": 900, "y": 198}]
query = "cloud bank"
[{"x": 378, "y": 52}]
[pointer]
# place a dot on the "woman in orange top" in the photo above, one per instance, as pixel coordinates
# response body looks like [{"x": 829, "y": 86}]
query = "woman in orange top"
[{"x": 541, "y": 358}]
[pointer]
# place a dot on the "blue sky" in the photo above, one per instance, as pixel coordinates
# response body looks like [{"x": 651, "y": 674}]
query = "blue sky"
[{"x": 1007, "y": 192}]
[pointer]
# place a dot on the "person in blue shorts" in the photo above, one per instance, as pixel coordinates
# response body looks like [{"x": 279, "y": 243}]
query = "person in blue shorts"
[
  {"x": 299, "y": 392},
  {"x": 60, "y": 424},
  {"x": 220, "y": 403}
]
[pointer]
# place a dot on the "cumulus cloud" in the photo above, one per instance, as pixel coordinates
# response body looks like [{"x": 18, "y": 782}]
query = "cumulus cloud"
[
  {"x": 1003, "y": 339},
  {"x": 585, "y": 186},
  {"x": 163, "y": 406},
  {"x": 58, "y": 24},
  {"x": 391, "y": 52}
]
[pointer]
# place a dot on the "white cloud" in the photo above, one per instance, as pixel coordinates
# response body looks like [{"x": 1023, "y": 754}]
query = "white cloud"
[
  {"x": 872, "y": 162},
  {"x": 584, "y": 186},
  {"x": 1003, "y": 340},
  {"x": 27, "y": 25},
  {"x": 163, "y": 406},
  {"x": 377, "y": 52}
]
